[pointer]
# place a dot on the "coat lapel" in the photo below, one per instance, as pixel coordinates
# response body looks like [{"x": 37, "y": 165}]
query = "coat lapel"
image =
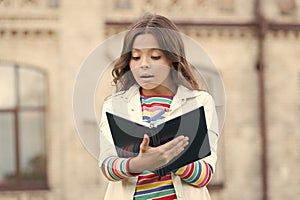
[
  {"x": 181, "y": 97},
  {"x": 132, "y": 97},
  {"x": 134, "y": 103}
]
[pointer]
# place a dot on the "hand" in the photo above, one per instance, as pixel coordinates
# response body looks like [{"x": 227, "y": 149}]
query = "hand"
[{"x": 150, "y": 158}]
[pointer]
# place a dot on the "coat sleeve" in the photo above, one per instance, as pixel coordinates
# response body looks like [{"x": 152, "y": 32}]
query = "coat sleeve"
[
  {"x": 199, "y": 173},
  {"x": 107, "y": 148},
  {"x": 112, "y": 167},
  {"x": 213, "y": 129}
]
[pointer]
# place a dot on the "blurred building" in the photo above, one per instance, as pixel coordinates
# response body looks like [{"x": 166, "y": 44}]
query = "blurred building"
[{"x": 255, "y": 46}]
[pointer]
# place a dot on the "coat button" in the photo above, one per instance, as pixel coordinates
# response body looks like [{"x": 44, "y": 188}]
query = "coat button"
[{"x": 132, "y": 109}]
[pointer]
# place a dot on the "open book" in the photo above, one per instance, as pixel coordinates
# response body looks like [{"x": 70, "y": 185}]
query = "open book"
[{"x": 127, "y": 136}]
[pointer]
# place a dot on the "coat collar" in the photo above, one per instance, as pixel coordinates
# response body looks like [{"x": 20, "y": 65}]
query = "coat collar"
[
  {"x": 132, "y": 97},
  {"x": 182, "y": 93}
]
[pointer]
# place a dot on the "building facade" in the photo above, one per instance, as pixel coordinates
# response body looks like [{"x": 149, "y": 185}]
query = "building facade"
[{"x": 43, "y": 43}]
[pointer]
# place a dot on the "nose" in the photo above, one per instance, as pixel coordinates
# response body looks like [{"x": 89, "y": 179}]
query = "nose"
[{"x": 144, "y": 63}]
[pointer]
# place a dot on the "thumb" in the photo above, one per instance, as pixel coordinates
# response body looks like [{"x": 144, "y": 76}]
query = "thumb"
[{"x": 145, "y": 143}]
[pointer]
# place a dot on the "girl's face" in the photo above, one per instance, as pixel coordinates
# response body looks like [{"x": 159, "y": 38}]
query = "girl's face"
[{"x": 150, "y": 67}]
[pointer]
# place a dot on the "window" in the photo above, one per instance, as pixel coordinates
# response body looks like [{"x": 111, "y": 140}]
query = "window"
[{"x": 22, "y": 127}]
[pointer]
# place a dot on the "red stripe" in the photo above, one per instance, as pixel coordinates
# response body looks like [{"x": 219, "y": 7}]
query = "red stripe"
[
  {"x": 156, "y": 104},
  {"x": 155, "y": 108},
  {"x": 142, "y": 180},
  {"x": 205, "y": 182},
  {"x": 207, "y": 176},
  {"x": 127, "y": 168},
  {"x": 116, "y": 173},
  {"x": 191, "y": 166},
  {"x": 169, "y": 197},
  {"x": 186, "y": 169},
  {"x": 104, "y": 166},
  {"x": 156, "y": 95},
  {"x": 153, "y": 176},
  {"x": 148, "y": 175}
]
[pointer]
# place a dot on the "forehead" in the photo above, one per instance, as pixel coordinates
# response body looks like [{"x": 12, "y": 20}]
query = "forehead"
[{"x": 145, "y": 41}]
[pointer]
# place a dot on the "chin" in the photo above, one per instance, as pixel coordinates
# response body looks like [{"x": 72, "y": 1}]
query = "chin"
[{"x": 148, "y": 86}]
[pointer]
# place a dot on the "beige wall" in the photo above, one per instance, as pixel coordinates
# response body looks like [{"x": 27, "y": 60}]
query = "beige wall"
[
  {"x": 77, "y": 27},
  {"x": 283, "y": 115}
]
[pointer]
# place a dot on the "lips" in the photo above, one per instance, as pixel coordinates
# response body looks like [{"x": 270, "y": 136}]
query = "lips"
[{"x": 146, "y": 76}]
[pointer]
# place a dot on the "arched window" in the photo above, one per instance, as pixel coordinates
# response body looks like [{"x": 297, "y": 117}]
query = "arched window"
[{"x": 22, "y": 127}]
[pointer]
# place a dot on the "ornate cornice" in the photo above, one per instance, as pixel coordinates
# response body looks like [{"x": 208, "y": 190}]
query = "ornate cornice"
[
  {"x": 215, "y": 30},
  {"x": 28, "y": 18},
  {"x": 27, "y": 33}
]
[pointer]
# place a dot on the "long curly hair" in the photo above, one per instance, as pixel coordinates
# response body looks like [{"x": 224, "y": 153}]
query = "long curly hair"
[{"x": 170, "y": 42}]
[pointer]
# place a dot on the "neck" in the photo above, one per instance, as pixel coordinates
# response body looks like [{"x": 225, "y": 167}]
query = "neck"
[{"x": 168, "y": 91}]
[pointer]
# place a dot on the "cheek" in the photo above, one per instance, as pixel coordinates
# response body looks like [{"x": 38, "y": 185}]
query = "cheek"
[
  {"x": 162, "y": 72},
  {"x": 134, "y": 69},
  {"x": 130, "y": 65},
  {"x": 133, "y": 65}
]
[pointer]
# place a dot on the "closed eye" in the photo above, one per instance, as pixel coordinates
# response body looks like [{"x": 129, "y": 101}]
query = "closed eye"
[
  {"x": 155, "y": 57},
  {"x": 135, "y": 57}
]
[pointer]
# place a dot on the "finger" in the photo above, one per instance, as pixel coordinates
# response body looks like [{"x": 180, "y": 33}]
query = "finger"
[
  {"x": 174, "y": 142},
  {"x": 177, "y": 149},
  {"x": 145, "y": 143}
]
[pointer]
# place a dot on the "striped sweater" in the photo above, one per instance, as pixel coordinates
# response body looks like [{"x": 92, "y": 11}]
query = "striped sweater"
[{"x": 149, "y": 185}]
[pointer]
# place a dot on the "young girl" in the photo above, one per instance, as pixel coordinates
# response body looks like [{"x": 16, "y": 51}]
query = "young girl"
[{"x": 153, "y": 82}]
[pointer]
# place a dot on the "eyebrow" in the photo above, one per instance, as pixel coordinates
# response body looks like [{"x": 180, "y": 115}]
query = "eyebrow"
[{"x": 136, "y": 49}]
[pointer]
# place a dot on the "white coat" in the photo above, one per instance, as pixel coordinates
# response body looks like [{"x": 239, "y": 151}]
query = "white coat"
[{"x": 128, "y": 104}]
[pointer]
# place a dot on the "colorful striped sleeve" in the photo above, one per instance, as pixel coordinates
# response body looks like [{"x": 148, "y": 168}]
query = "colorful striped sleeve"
[
  {"x": 197, "y": 173},
  {"x": 116, "y": 169}
]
